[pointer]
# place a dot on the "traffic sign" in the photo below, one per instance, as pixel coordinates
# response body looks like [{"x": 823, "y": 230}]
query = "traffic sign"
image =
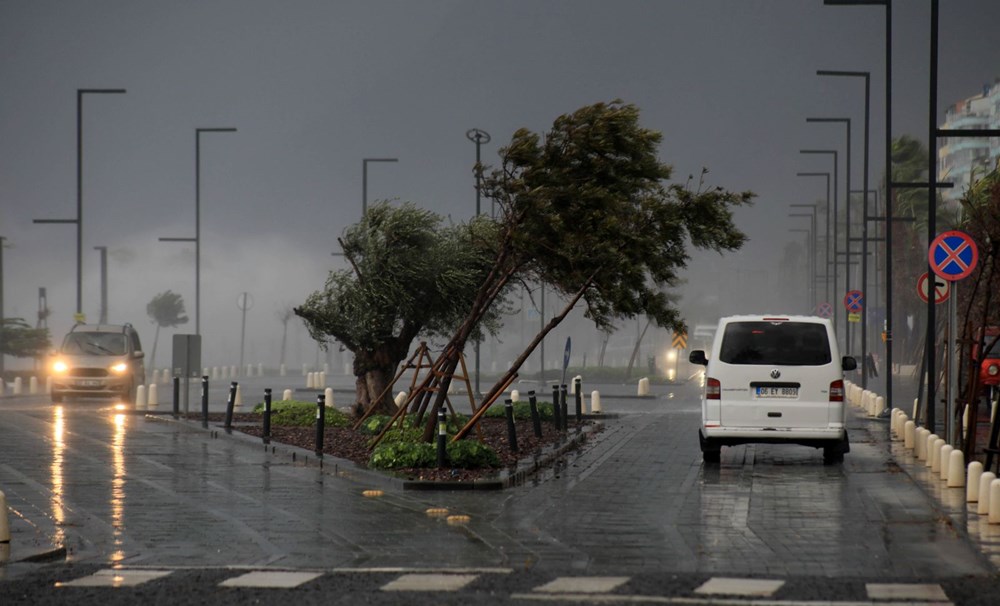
[
  {"x": 824, "y": 310},
  {"x": 953, "y": 255},
  {"x": 854, "y": 301},
  {"x": 942, "y": 288},
  {"x": 680, "y": 340},
  {"x": 853, "y": 317}
]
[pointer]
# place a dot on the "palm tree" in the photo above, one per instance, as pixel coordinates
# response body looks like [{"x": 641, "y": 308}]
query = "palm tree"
[{"x": 166, "y": 309}]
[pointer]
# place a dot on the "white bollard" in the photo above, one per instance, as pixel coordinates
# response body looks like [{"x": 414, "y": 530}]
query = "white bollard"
[
  {"x": 322, "y": 380},
  {"x": 972, "y": 485},
  {"x": 894, "y": 425},
  {"x": 155, "y": 377},
  {"x": 515, "y": 395},
  {"x": 282, "y": 370},
  {"x": 879, "y": 406},
  {"x": 33, "y": 385},
  {"x": 943, "y": 457},
  {"x": 238, "y": 401},
  {"x": 916, "y": 402},
  {"x": 956, "y": 469},
  {"x": 152, "y": 399},
  {"x": 994, "y": 507},
  {"x": 400, "y": 399},
  {"x": 920, "y": 444},
  {"x": 286, "y": 395},
  {"x": 934, "y": 445},
  {"x": 643, "y": 387},
  {"x": 595, "y": 402},
  {"x": 909, "y": 434},
  {"x": 140, "y": 397},
  {"x": 17, "y": 386},
  {"x": 983, "y": 507},
  {"x": 310, "y": 381},
  {"x": 4, "y": 523},
  {"x": 328, "y": 392}
]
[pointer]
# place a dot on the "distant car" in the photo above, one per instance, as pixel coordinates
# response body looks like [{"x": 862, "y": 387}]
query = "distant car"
[
  {"x": 98, "y": 360},
  {"x": 774, "y": 379}
]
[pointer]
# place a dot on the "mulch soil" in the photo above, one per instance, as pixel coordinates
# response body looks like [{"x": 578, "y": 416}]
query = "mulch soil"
[{"x": 346, "y": 443}]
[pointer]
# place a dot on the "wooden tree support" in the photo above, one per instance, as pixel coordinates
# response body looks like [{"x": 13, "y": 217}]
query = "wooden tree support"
[{"x": 418, "y": 355}]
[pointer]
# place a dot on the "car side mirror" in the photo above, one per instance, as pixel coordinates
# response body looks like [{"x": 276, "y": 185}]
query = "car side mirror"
[
  {"x": 849, "y": 363},
  {"x": 697, "y": 356},
  {"x": 139, "y": 354}
]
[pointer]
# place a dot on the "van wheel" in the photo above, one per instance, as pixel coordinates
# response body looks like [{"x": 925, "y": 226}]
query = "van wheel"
[
  {"x": 832, "y": 455},
  {"x": 711, "y": 456},
  {"x": 711, "y": 452}
]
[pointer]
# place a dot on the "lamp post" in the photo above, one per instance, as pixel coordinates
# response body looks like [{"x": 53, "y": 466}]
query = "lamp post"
[
  {"x": 815, "y": 243},
  {"x": 847, "y": 224},
  {"x": 364, "y": 180},
  {"x": 808, "y": 241},
  {"x": 864, "y": 212},
  {"x": 104, "y": 284},
  {"x": 826, "y": 277},
  {"x": 2, "y": 323},
  {"x": 197, "y": 221},
  {"x": 479, "y": 137},
  {"x": 80, "y": 92},
  {"x": 836, "y": 239}
]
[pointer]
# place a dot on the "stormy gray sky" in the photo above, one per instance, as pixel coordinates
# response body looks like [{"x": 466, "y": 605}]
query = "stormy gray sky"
[{"x": 313, "y": 87}]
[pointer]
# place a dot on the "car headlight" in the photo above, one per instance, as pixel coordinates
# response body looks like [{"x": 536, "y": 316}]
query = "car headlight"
[
  {"x": 119, "y": 368},
  {"x": 59, "y": 366},
  {"x": 993, "y": 370}
]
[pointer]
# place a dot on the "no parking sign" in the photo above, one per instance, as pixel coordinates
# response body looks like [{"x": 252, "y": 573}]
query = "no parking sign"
[{"x": 953, "y": 255}]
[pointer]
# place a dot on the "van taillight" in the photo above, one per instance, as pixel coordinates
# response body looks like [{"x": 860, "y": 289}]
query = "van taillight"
[
  {"x": 713, "y": 389},
  {"x": 837, "y": 391}
]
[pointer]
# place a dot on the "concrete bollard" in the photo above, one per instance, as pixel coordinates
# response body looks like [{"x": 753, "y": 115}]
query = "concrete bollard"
[
  {"x": 515, "y": 396},
  {"x": 909, "y": 434},
  {"x": 140, "y": 397},
  {"x": 152, "y": 398},
  {"x": 879, "y": 406},
  {"x": 595, "y": 402},
  {"x": 983, "y": 506},
  {"x": 286, "y": 395},
  {"x": 993, "y": 515},
  {"x": 328, "y": 392},
  {"x": 943, "y": 456},
  {"x": 17, "y": 386},
  {"x": 934, "y": 445},
  {"x": 920, "y": 444},
  {"x": 33, "y": 385},
  {"x": 4, "y": 523},
  {"x": 400, "y": 399},
  {"x": 972, "y": 485},
  {"x": 916, "y": 402},
  {"x": 238, "y": 399},
  {"x": 322, "y": 380},
  {"x": 956, "y": 469},
  {"x": 643, "y": 389},
  {"x": 310, "y": 381}
]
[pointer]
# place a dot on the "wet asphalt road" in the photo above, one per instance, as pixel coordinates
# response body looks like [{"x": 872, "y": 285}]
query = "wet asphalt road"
[{"x": 143, "y": 492}]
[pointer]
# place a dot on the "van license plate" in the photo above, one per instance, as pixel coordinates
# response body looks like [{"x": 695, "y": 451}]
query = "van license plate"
[
  {"x": 88, "y": 383},
  {"x": 762, "y": 391}
]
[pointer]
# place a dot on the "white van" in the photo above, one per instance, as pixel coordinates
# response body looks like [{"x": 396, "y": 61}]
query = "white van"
[{"x": 774, "y": 379}]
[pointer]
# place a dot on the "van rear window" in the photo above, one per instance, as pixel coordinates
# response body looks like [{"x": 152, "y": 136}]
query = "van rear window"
[{"x": 781, "y": 343}]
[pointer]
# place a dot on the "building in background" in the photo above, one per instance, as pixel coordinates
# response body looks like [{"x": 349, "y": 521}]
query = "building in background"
[{"x": 960, "y": 161}]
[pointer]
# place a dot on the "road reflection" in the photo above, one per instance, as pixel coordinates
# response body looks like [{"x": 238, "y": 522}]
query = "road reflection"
[
  {"x": 56, "y": 470},
  {"x": 118, "y": 488}
]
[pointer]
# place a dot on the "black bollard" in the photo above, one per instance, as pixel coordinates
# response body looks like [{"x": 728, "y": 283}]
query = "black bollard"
[
  {"x": 536, "y": 422},
  {"x": 204, "y": 401},
  {"x": 442, "y": 438},
  {"x": 229, "y": 405},
  {"x": 555, "y": 407},
  {"x": 579, "y": 399},
  {"x": 508, "y": 407},
  {"x": 564, "y": 413},
  {"x": 320, "y": 423},
  {"x": 177, "y": 397},
  {"x": 267, "y": 415}
]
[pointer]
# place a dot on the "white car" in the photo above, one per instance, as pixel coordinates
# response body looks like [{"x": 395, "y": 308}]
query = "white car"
[{"x": 774, "y": 379}]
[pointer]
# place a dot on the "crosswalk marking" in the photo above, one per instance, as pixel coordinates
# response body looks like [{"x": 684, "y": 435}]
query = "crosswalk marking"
[
  {"x": 110, "y": 577},
  {"x": 271, "y": 578},
  {"x": 582, "y": 585},
  {"x": 747, "y": 587},
  {"x": 430, "y": 582},
  {"x": 905, "y": 591}
]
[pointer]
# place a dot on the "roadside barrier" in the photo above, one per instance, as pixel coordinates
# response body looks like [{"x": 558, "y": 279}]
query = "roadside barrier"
[
  {"x": 400, "y": 399},
  {"x": 4, "y": 523},
  {"x": 536, "y": 421},
  {"x": 152, "y": 398},
  {"x": 983, "y": 506},
  {"x": 944, "y": 455},
  {"x": 643, "y": 388},
  {"x": 508, "y": 408},
  {"x": 909, "y": 434},
  {"x": 266, "y": 434},
  {"x": 555, "y": 408},
  {"x": 320, "y": 423},
  {"x": 972, "y": 488},
  {"x": 140, "y": 397},
  {"x": 930, "y": 449},
  {"x": 515, "y": 395},
  {"x": 578, "y": 396},
  {"x": 993, "y": 513},
  {"x": 286, "y": 395},
  {"x": 956, "y": 469},
  {"x": 328, "y": 392},
  {"x": 595, "y": 402}
]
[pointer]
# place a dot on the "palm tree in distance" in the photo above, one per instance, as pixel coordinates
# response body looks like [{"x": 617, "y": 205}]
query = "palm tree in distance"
[{"x": 165, "y": 310}]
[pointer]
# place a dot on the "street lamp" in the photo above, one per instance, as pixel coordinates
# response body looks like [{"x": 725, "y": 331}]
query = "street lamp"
[
  {"x": 847, "y": 246},
  {"x": 836, "y": 239},
  {"x": 104, "y": 284},
  {"x": 864, "y": 214},
  {"x": 815, "y": 242},
  {"x": 2, "y": 323},
  {"x": 826, "y": 277},
  {"x": 80, "y": 92},
  {"x": 197, "y": 221},
  {"x": 479, "y": 137},
  {"x": 364, "y": 180},
  {"x": 808, "y": 243}
]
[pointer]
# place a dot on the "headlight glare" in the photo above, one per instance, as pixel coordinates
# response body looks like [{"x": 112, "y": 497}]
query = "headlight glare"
[
  {"x": 119, "y": 367},
  {"x": 59, "y": 366}
]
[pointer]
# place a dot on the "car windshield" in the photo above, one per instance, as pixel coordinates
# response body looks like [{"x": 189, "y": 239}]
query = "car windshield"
[
  {"x": 775, "y": 343},
  {"x": 94, "y": 343}
]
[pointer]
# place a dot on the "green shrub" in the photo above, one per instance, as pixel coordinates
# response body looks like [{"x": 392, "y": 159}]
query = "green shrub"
[
  {"x": 394, "y": 455},
  {"x": 469, "y": 454},
  {"x": 293, "y": 413}
]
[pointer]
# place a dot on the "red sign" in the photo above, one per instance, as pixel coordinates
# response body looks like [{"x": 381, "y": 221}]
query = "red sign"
[
  {"x": 953, "y": 255},
  {"x": 942, "y": 288},
  {"x": 824, "y": 310},
  {"x": 854, "y": 301}
]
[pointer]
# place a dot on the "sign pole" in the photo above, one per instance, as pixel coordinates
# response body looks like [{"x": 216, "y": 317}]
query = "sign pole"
[{"x": 952, "y": 391}]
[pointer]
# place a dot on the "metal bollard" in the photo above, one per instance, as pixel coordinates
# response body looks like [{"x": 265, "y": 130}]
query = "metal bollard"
[
  {"x": 320, "y": 423},
  {"x": 267, "y": 415},
  {"x": 555, "y": 407},
  {"x": 442, "y": 438},
  {"x": 204, "y": 401},
  {"x": 233, "y": 386},
  {"x": 536, "y": 421},
  {"x": 564, "y": 413},
  {"x": 4, "y": 523},
  {"x": 578, "y": 393},
  {"x": 508, "y": 407},
  {"x": 177, "y": 397}
]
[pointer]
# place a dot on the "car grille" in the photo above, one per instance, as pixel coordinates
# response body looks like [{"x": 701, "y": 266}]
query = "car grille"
[{"x": 89, "y": 372}]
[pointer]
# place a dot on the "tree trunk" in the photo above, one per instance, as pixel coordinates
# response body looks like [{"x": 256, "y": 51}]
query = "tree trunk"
[{"x": 152, "y": 357}]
